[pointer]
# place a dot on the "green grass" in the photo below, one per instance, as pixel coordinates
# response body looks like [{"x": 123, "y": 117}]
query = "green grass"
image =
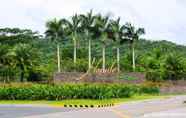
[{"x": 83, "y": 101}]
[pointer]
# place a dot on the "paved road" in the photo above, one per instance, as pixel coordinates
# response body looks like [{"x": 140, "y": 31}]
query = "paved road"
[
  {"x": 19, "y": 111},
  {"x": 162, "y": 108},
  {"x": 173, "y": 113}
]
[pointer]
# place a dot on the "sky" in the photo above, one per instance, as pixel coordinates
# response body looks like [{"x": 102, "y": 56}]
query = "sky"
[{"x": 162, "y": 19}]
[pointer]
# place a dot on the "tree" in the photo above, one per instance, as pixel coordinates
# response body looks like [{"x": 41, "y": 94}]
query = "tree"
[
  {"x": 174, "y": 67},
  {"x": 55, "y": 31},
  {"x": 73, "y": 28},
  {"x": 9, "y": 38},
  {"x": 5, "y": 63},
  {"x": 133, "y": 34},
  {"x": 102, "y": 25},
  {"x": 117, "y": 35},
  {"x": 3, "y": 54},
  {"x": 24, "y": 58},
  {"x": 87, "y": 24},
  {"x": 153, "y": 59},
  {"x": 12, "y": 36}
]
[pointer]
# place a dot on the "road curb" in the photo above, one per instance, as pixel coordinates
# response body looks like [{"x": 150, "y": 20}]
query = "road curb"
[{"x": 88, "y": 106}]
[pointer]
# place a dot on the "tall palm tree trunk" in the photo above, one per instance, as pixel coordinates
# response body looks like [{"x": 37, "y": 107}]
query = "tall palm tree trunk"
[
  {"x": 58, "y": 58},
  {"x": 133, "y": 58},
  {"x": 89, "y": 54},
  {"x": 118, "y": 59},
  {"x": 75, "y": 51},
  {"x": 103, "y": 57}
]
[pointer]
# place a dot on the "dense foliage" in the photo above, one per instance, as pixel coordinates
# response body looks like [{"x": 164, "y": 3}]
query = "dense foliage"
[
  {"x": 72, "y": 91},
  {"x": 83, "y": 42}
]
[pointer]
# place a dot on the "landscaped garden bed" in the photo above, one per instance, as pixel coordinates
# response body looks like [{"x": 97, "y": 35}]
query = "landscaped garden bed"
[{"x": 73, "y": 91}]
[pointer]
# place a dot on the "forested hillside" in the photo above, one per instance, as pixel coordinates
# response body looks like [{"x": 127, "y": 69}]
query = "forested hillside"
[
  {"x": 83, "y": 43},
  {"x": 39, "y": 56}
]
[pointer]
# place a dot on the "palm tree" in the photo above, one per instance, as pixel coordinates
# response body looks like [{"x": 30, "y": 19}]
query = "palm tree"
[
  {"x": 133, "y": 34},
  {"x": 3, "y": 54},
  {"x": 73, "y": 28},
  {"x": 5, "y": 62},
  {"x": 117, "y": 36},
  {"x": 87, "y": 24},
  {"x": 55, "y": 31},
  {"x": 102, "y": 25},
  {"x": 24, "y": 58}
]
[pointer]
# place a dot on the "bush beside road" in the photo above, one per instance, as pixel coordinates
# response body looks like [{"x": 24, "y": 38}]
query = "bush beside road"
[{"x": 73, "y": 91}]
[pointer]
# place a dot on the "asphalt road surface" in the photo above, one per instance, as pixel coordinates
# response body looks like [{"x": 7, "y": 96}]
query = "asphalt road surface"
[
  {"x": 19, "y": 111},
  {"x": 159, "y": 108}
]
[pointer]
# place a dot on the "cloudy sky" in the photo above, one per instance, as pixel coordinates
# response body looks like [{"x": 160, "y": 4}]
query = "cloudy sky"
[{"x": 162, "y": 19}]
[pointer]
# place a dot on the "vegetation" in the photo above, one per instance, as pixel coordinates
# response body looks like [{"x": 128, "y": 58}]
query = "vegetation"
[
  {"x": 126, "y": 77},
  {"x": 72, "y": 91},
  {"x": 83, "y": 42},
  {"x": 55, "y": 32}
]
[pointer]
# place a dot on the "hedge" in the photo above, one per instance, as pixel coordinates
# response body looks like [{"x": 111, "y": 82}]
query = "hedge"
[{"x": 73, "y": 91}]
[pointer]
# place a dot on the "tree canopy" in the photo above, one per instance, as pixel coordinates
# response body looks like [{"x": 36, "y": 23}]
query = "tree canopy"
[{"x": 87, "y": 39}]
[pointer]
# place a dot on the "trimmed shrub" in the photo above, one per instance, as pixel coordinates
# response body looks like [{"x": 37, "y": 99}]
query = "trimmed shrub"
[
  {"x": 73, "y": 91},
  {"x": 149, "y": 90}
]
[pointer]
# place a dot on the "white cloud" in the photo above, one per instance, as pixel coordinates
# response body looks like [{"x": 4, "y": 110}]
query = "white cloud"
[{"x": 162, "y": 19}]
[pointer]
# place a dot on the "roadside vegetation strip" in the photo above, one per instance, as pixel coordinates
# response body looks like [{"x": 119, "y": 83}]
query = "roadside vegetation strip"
[{"x": 74, "y": 91}]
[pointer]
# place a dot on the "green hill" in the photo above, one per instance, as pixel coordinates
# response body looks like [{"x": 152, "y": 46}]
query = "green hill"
[{"x": 41, "y": 60}]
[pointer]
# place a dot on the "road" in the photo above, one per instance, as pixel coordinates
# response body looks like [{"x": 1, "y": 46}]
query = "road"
[
  {"x": 154, "y": 108},
  {"x": 159, "y": 108},
  {"x": 19, "y": 111}
]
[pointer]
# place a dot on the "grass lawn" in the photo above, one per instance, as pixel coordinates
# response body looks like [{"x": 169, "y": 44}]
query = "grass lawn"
[{"x": 83, "y": 101}]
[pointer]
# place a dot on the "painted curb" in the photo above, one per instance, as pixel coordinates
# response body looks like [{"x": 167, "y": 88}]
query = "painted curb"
[{"x": 88, "y": 106}]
